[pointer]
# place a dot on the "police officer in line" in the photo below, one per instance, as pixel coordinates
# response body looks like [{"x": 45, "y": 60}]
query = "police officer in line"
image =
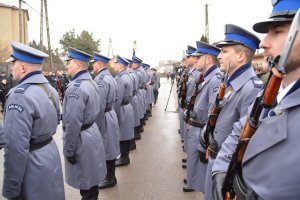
[
  {"x": 155, "y": 81},
  {"x": 107, "y": 119},
  {"x": 135, "y": 105},
  {"x": 136, "y": 65},
  {"x": 189, "y": 51},
  {"x": 32, "y": 166},
  {"x": 193, "y": 74},
  {"x": 237, "y": 51},
  {"x": 124, "y": 109},
  {"x": 83, "y": 147},
  {"x": 208, "y": 88},
  {"x": 149, "y": 90},
  {"x": 277, "y": 137}
]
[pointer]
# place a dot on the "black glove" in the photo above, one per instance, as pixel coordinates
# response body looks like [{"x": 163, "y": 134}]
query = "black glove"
[
  {"x": 202, "y": 157},
  {"x": 71, "y": 160},
  {"x": 218, "y": 181}
]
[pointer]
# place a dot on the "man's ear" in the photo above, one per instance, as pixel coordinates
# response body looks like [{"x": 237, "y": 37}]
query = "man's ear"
[{"x": 23, "y": 67}]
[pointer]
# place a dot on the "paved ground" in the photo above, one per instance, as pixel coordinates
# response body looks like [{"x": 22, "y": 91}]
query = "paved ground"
[{"x": 155, "y": 172}]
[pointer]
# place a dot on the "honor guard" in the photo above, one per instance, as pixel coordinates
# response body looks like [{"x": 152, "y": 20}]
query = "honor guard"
[
  {"x": 237, "y": 51},
  {"x": 155, "y": 83},
  {"x": 202, "y": 99},
  {"x": 276, "y": 138},
  {"x": 192, "y": 76},
  {"x": 82, "y": 142},
  {"x": 135, "y": 105},
  {"x": 136, "y": 65},
  {"x": 124, "y": 109},
  {"x": 32, "y": 166},
  {"x": 107, "y": 119}
]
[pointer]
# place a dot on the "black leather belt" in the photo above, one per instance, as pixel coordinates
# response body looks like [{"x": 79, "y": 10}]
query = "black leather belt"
[
  {"x": 124, "y": 103},
  {"x": 107, "y": 109},
  {"x": 83, "y": 127},
  {"x": 196, "y": 123},
  {"x": 37, "y": 146}
]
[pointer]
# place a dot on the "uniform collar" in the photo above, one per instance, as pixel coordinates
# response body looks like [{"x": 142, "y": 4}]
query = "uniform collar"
[
  {"x": 79, "y": 74},
  {"x": 241, "y": 76},
  {"x": 211, "y": 72},
  {"x": 290, "y": 96},
  {"x": 191, "y": 70},
  {"x": 122, "y": 72},
  {"x": 28, "y": 76}
]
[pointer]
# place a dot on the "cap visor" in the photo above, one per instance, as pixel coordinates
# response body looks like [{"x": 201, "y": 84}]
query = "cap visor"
[
  {"x": 262, "y": 27},
  {"x": 197, "y": 54},
  {"x": 10, "y": 59}
]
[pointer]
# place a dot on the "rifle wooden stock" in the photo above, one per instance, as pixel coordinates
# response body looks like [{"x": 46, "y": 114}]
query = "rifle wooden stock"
[
  {"x": 266, "y": 100},
  {"x": 59, "y": 89},
  {"x": 213, "y": 117},
  {"x": 194, "y": 95}
]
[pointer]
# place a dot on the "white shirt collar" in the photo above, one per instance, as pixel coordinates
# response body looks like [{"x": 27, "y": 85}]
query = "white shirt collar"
[{"x": 283, "y": 91}]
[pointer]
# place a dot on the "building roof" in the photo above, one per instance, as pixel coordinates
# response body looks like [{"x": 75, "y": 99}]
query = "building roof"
[{"x": 15, "y": 8}]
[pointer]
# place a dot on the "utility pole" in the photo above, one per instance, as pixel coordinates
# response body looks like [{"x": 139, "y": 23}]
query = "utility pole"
[
  {"x": 20, "y": 21},
  {"x": 48, "y": 35},
  {"x": 110, "y": 48},
  {"x": 42, "y": 25},
  {"x": 206, "y": 23}
]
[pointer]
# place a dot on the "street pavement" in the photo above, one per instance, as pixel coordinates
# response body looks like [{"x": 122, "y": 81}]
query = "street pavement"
[{"x": 155, "y": 171}]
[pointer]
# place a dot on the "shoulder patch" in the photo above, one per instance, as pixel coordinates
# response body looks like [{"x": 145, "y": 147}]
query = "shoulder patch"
[
  {"x": 76, "y": 96},
  {"x": 257, "y": 82},
  {"x": 15, "y": 107},
  {"x": 21, "y": 88},
  {"x": 216, "y": 89},
  {"x": 77, "y": 82},
  {"x": 219, "y": 75}
]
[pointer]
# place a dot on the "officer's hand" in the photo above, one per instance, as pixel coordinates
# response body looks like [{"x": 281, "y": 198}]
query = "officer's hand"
[
  {"x": 202, "y": 138},
  {"x": 218, "y": 181},
  {"x": 71, "y": 160},
  {"x": 202, "y": 157}
]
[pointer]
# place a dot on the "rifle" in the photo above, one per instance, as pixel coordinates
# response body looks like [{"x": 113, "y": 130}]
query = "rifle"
[
  {"x": 265, "y": 100},
  {"x": 59, "y": 89},
  {"x": 196, "y": 90},
  {"x": 216, "y": 109},
  {"x": 185, "y": 78}
]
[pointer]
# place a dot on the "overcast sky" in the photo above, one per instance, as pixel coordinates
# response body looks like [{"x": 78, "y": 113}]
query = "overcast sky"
[{"x": 162, "y": 28}]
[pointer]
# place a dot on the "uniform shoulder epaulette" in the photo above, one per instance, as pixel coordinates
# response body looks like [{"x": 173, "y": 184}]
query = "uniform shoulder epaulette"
[
  {"x": 21, "y": 88},
  {"x": 257, "y": 82},
  {"x": 219, "y": 75},
  {"x": 77, "y": 82}
]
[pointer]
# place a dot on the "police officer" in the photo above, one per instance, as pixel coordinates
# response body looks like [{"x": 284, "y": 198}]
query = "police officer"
[
  {"x": 135, "y": 105},
  {"x": 32, "y": 166},
  {"x": 193, "y": 74},
  {"x": 124, "y": 109},
  {"x": 107, "y": 119},
  {"x": 83, "y": 145},
  {"x": 237, "y": 51},
  {"x": 155, "y": 83},
  {"x": 276, "y": 139},
  {"x": 136, "y": 65},
  {"x": 207, "y": 91}
]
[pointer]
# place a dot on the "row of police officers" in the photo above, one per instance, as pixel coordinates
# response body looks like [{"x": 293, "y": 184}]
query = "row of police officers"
[
  {"x": 225, "y": 95},
  {"x": 101, "y": 119}
]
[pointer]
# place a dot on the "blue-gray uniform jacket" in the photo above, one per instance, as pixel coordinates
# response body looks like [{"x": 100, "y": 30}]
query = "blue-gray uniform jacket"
[
  {"x": 150, "y": 94},
  {"x": 123, "y": 107},
  {"x": 145, "y": 80},
  {"x": 135, "y": 100},
  {"x": 208, "y": 89},
  {"x": 30, "y": 120},
  {"x": 242, "y": 88},
  {"x": 193, "y": 76},
  {"x": 82, "y": 138},
  {"x": 107, "y": 119},
  {"x": 270, "y": 164},
  {"x": 141, "y": 91}
]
